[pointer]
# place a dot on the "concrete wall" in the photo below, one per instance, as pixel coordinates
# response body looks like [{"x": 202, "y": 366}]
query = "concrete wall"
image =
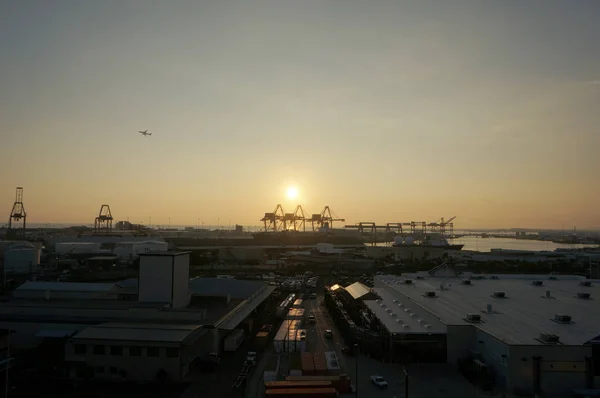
[
  {"x": 495, "y": 354},
  {"x": 459, "y": 340},
  {"x": 181, "y": 281},
  {"x": 138, "y": 368},
  {"x": 155, "y": 281},
  {"x": 563, "y": 368}
]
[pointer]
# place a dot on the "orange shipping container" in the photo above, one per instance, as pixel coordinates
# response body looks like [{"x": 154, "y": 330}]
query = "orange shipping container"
[{"x": 301, "y": 392}]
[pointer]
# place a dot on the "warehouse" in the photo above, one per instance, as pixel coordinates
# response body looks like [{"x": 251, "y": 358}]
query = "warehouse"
[
  {"x": 534, "y": 334},
  {"x": 163, "y": 306}
]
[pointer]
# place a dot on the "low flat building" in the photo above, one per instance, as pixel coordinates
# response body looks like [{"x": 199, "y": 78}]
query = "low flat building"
[
  {"x": 535, "y": 334},
  {"x": 171, "y": 320}
]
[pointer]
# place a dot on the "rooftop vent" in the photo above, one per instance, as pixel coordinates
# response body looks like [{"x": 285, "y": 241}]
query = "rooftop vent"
[
  {"x": 477, "y": 277},
  {"x": 562, "y": 318},
  {"x": 499, "y": 294},
  {"x": 585, "y": 283},
  {"x": 466, "y": 282},
  {"x": 472, "y": 317},
  {"x": 408, "y": 281},
  {"x": 552, "y": 278},
  {"x": 430, "y": 293},
  {"x": 583, "y": 296},
  {"x": 427, "y": 326},
  {"x": 549, "y": 338},
  {"x": 400, "y": 321},
  {"x": 420, "y": 277},
  {"x": 494, "y": 277},
  {"x": 405, "y": 326},
  {"x": 537, "y": 283}
]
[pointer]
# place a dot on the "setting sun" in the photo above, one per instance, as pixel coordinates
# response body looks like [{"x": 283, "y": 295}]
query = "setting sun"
[{"x": 292, "y": 192}]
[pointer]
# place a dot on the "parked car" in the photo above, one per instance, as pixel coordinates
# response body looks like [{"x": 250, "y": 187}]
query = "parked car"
[
  {"x": 379, "y": 382},
  {"x": 328, "y": 334},
  {"x": 312, "y": 319}
]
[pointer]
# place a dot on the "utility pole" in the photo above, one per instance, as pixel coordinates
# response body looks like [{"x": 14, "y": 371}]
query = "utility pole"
[
  {"x": 405, "y": 382},
  {"x": 356, "y": 370}
]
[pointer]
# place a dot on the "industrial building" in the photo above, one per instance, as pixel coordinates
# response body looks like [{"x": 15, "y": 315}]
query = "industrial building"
[
  {"x": 531, "y": 334},
  {"x": 133, "y": 330}
]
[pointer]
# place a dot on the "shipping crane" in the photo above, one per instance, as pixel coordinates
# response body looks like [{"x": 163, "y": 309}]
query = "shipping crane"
[
  {"x": 274, "y": 221},
  {"x": 17, "y": 213},
  {"x": 294, "y": 221},
  {"x": 325, "y": 218},
  {"x": 447, "y": 224},
  {"x": 103, "y": 223}
]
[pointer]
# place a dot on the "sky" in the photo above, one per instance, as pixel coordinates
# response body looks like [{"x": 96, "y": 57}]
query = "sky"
[{"x": 386, "y": 111}]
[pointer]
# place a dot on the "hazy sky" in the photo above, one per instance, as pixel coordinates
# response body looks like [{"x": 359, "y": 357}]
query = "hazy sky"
[{"x": 388, "y": 111}]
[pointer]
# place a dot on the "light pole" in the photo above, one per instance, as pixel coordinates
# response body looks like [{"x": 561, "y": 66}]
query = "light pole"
[{"x": 356, "y": 370}]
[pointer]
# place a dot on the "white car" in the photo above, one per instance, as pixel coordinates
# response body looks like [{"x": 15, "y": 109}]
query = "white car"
[{"x": 379, "y": 382}]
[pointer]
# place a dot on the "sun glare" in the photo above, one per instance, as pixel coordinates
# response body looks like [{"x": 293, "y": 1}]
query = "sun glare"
[{"x": 292, "y": 193}]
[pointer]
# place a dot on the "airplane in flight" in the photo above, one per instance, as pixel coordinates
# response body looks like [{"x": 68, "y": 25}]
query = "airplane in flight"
[{"x": 145, "y": 133}]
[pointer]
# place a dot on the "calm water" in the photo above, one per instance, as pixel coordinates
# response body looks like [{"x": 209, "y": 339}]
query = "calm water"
[{"x": 486, "y": 244}]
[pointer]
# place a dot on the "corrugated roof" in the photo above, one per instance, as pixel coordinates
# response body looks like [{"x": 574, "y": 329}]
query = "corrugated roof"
[
  {"x": 55, "y": 333},
  {"x": 138, "y": 332},
  {"x": 66, "y": 286},
  {"x": 357, "y": 290},
  {"x": 239, "y": 289}
]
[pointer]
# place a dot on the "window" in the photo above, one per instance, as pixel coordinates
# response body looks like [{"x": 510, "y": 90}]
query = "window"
[
  {"x": 152, "y": 351},
  {"x": 79, "y": 349},
  {"x": 98, "y": 350},
  {"x": 135, "y": 351},
  {"x": 116, "y": 350},
  {"x": 172, "y": 352}
]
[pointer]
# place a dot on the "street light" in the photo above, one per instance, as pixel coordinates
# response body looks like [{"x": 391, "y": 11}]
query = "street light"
[{"x": 356, "y": 370}]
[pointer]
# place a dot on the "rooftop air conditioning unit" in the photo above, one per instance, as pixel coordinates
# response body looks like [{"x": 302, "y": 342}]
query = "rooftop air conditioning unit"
[
  {"x": 408, "y": 281},
  {"x": 549, "y": 338},
  {"x": 585, "y": 283},
  {"x": 420, "y": 277},
  {"x": 472, "y": 317},
  {"x": 561, "y": 318},
  {"x": 552, "y": 278},
  {"x": 494, "y": 277},
  {"x": 430, "y": 293},
  {"x": 537, "y": 283},
  {"x": 466, "y": 282},
  {"x": 583, "y": 296},
  {"x": 499, "y": 294}
]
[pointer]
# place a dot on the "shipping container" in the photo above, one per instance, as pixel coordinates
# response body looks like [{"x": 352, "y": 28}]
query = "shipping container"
[
  {"x": 320, "y": 363},
  {"x": 295, "y": 313},
  {"x": 234, "y": 340},
  {"x": 339, "y": 382},
  {"x": 333, "y": 365},
  {"x": 297, "y": 303},
  {"x": 308, "y": 365},
  {"x": 301, "y": 392},
  {"x": 261, "y": 341},
  {"x": 298, "y": 384}
]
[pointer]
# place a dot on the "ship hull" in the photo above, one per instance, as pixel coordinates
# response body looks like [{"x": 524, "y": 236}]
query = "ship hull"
[{"x": 445, "y": 247}]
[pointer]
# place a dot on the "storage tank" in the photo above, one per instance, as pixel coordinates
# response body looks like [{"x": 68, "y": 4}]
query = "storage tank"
[
  {"x": 21, "y": 260},
  {"x": 409, "y": 240},
  {"x": 398, "y": 240}
]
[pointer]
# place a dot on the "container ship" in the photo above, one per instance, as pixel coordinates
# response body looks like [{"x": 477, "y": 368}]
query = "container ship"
[{"x": 432, "y": 241}]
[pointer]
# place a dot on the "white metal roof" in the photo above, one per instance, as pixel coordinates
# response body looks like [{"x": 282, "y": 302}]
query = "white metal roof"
[
  {"x": 517, "y": 319},
  {"x": 141, "y": 332}
]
